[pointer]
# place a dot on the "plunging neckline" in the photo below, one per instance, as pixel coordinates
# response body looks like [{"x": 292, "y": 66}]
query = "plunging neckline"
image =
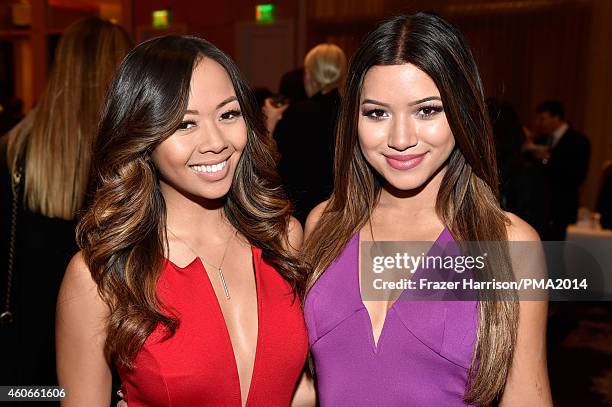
[
  {"x": 255, "y": 262},
  {"x": 376, "y": 344}
]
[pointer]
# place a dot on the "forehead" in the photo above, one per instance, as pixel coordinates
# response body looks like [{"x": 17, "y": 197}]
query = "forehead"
[
  {"x": 210, "y": 83},
  {"x": 397, "y": 82}
]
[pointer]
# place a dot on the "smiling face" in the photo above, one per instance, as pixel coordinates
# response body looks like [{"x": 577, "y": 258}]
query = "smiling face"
[
  {"x": 200, "y": 158},
  {"x": 403, "y": 131}
]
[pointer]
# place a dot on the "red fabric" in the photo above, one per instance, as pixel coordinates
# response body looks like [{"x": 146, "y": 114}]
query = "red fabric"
[{"x": 196, "y": 367}]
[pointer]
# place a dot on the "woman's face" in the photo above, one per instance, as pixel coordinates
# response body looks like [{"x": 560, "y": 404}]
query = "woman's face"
[
  {"x": 403, "y": 131},
  {"x": 200, "y": 158}
]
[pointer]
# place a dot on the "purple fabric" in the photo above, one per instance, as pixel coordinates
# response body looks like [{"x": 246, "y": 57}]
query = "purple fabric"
[{"x": 423, "y": 353}]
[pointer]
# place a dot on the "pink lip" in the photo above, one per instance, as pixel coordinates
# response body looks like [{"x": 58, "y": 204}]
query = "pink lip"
[{"x": 404, "y": 161}]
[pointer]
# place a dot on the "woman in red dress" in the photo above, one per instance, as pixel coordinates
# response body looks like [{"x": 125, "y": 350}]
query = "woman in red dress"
[{"x": 187, "y": 274}]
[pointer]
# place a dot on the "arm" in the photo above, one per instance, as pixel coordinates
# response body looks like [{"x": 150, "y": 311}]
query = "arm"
[
  {"x": 527, "y": 383},
  {"x": 82, "y": 368},
  {"x": 305, "y": 394}
]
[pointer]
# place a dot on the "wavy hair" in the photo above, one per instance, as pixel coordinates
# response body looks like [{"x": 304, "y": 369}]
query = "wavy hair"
[
  {"x": 467, "y": 202},
  {"x": 123, "y": 233}
]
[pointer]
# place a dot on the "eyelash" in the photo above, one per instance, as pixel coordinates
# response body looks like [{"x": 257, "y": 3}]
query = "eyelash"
[
  {"x": 435, "y": 109},
  {"x": 229, "y": 115},
  {"x": 377, "y": 114},
  {"x": 185, "y": 123},
  {"x": 374, "y": 114}
]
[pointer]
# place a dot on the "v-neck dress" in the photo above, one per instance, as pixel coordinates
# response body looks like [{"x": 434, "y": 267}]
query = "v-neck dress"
[
  {"x": 196, "y": 366},
  {"x": 423, "y": 353}
]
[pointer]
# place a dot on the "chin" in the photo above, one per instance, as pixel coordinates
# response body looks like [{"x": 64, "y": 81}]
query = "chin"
[
  {"x": 405, "y": 180},
  {"x": 408, "y": 183},
  {"x": 214, "y": 192}
]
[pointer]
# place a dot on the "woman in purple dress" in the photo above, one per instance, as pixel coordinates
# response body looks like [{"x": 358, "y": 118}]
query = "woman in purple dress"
[{"x": 415, "y": 161}]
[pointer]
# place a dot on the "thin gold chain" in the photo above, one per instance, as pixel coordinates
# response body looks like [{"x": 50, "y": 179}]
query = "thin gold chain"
[{"x": 220, "y": 267}]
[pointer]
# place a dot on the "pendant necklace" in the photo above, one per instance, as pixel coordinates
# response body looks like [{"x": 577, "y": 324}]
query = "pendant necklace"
[{"x": 219, "y": 267}]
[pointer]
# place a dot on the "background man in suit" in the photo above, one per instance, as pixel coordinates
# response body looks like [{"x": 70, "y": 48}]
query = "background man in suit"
[{"x": 566, "y": 162}]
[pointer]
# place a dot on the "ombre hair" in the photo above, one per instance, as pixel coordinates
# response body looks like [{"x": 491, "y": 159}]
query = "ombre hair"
[
  {"x": 123, "y": 233},
  {"x": 55, "y": 145},
  {"x": 467, "y": 202}
]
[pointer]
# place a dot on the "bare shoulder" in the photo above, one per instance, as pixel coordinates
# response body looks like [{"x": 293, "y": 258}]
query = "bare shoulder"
[
  {"x": 314, "y": 216},
  {"x": 77, "y": 276},
  {"x": 519, "y": 230},
  {"x": 79, "y": 290},
  {"x": 527, "y": 382},
  {"x": 295, "y": 234}
]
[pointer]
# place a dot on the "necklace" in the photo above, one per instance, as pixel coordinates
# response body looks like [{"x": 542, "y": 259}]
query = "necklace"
[{"x": 219, "y": 267}]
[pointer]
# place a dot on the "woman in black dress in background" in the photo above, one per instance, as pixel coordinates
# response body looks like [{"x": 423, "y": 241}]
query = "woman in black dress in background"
[
  {"x": 49, "y": 152},
  {"x": 305, "y": 134}
]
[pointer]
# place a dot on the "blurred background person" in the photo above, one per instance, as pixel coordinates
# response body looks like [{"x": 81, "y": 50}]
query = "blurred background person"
[
  {"x": 49, "y": 154},
  {"x": 292, "y": 85},
  {"x": 522, "y": 183},
  {"x": 566, "y": 160},
  {"x": 305, "y": 133},
  {"x": 11, "y": 112},
  {"x": 604, "y": 198}
]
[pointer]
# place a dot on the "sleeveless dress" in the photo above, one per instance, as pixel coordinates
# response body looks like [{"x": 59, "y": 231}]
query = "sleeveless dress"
[
  {"x": 196, "y": 366},
  {"x": 423, "y": 353}
]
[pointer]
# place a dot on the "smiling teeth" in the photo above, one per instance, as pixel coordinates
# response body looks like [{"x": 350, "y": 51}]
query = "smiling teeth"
[{"x": 209, "y": 168}]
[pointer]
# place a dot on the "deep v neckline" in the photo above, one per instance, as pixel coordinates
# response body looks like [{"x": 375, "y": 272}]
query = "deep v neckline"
[
  {"x": 197, "y": 261},
  {"x": 376, "y": 344}
]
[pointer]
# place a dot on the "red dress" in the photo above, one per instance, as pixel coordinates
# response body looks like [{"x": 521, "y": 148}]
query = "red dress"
[{"x": 197, "y": 367}]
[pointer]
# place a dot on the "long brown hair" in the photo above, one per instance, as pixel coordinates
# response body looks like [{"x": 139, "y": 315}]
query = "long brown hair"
[
  {"x": 56, "y": 149},
  {"x": 123, "y": 234},
  {"x": 467, "y": 201}
]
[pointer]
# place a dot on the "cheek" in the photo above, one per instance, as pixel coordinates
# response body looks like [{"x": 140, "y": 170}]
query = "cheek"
[
  {"x": 438, "y": 135},
  {"x": 370, "y": 135},
  {"x": 237, "y": 135},
  {"x": 170, "y": 152}
]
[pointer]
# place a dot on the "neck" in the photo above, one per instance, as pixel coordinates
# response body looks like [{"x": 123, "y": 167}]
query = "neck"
[{"x": 188, "y": 216}]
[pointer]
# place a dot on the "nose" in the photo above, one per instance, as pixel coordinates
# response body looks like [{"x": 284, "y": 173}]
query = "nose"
[
  {"x": 403, "y": 133},
  {"x": 211, "y": 138}
]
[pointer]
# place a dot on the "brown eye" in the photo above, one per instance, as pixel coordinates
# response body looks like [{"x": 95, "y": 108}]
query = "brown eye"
[
  {"x": 186, "y": 124},
  {"x": 375, "y": 114},
  {"x": 232, "y": 114},
  {"x": 429, "y": 111}
]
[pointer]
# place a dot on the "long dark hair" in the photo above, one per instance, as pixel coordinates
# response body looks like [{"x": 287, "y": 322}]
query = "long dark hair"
[
  {"x": 467, "y": 202},
  {"x": 123, "y": 234}
]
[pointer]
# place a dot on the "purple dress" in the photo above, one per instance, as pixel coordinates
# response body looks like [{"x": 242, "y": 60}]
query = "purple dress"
[{"x": 423, "y": 352}]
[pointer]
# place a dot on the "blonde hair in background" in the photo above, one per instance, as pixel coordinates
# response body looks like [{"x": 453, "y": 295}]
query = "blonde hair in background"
[
  {"x": 56, "y": 148},
  {"x": 324, "y": 67}
]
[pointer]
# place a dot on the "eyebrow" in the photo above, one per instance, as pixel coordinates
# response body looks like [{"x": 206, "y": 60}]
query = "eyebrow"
[
  {"x": 416, "y": 102},
  {"x": 219, "y": 106},
  {"x": 226, "y": 101}
]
